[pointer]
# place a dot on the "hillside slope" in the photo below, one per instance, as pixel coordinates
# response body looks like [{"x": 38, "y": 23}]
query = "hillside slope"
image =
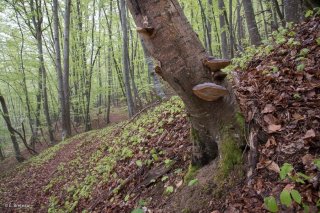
[
  {"x": 109, "y": 170},
  {"x": 279, "y": 94}
]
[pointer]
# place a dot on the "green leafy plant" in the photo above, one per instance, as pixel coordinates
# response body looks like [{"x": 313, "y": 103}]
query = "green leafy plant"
[
  {"x": 193, "y": 182},
  {"x": 169, "y": 190},
  {"x": 271, "y": 204}
]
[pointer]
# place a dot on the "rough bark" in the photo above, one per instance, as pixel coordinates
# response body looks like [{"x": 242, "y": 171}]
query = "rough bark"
[
  {"x": 179, "y": 51},
  {"x": 251, "y": 23},
  {"x": 6, "y": 116}
]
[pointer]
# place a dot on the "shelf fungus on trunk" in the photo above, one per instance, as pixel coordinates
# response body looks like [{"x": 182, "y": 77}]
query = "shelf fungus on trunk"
[
  {"x": 209, "y": 91},
  {"x": 145, "y": 30},
  {"x": 216, "y": 64}
]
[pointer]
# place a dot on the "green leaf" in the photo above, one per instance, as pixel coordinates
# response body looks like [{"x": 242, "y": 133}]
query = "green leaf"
[
  {"x": 317, "y": 163},
  {"x": 137, "y": 211},
  {"x": 193, "y": 182},
  {"x": 318, "y": 41},
  {"x": 271, "y": 204},
  {"x": 169, "y": 190},
  {"x": 309, "y": 13},
  {"x": 285, "y": 198},
  {"x": 306, "y": 208},
  {"x": 300, "y": 67},
  {"x": 296, "y": 196},
  {"x": 164, "y": 178},
  {"x": 126, "y": 198},
  {"x": 139, "y": 163},
  {"x": 285, "y": 170}
]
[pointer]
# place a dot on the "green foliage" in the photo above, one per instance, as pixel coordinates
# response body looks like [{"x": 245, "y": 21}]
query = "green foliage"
[
  {"x": 191, "y": 173},
  {"x": 285, "y": 198},
  {"x": 137, "y": 211},
  {"x": 285, "y": 170},
  {"x": 168, "y": 190},
  {"x": 193, "y": 182},
  {"x": 317, "y": 163},
  {"x": 271, "y": 204}
]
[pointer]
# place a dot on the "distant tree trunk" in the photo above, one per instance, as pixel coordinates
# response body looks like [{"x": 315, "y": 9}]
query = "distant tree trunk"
[
  {"x": 251, "y": 23},
  {"x": 170, "y": 39},
  {"x": 2, "y": 157},
  {"x": 66, "y": 50},
  {"x": 231, "y": 30},
  {"x": 291, "y": 11},
  {"x": 264, "y": 18},
  {"x": 61, "y": 94},
  {"x": 277, "y": 9},
  {"x": 240, "y": 30},
  {"x": 156, "y": 82},
  {"x": 6, "y": 116},
  {"x": 223, "y": 29},
  {"x": 125, "y": 58}
]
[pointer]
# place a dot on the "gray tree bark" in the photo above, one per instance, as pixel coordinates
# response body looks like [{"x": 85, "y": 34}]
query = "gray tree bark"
[
  {"x": 251, "y": 23},
  {"x": 291, "y": 11},
  {"x": 223, "y": 30},
  {"x": 125, "y": 58}
]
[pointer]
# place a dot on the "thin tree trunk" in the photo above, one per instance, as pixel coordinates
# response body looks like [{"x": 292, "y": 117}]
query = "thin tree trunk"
[
  {"x": 6, "y": 116},
  {"x": 223, "y": 30},
  {"x": 291, "y": 11},
  {"x": 59, "y": 68},
  {"x": 156, "y": 82},
  {"x": 251, "y": 23},
  {"x": 66, "y": 50},
  {"x": 125, "y": 58}
]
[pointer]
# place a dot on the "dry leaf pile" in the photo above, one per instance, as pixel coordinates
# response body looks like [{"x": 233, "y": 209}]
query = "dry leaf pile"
[{"x": 280, "y": 94}]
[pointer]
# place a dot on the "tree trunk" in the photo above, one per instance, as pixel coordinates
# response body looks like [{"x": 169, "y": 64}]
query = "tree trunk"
[
  {"x": 223, "y": 30},
  {"x": 59, "y": 68},
  {"x": 125, "y": 58},
  {"x": 170, "y": 39},
  {"x": 156, "y": 82},
  {"x": 251, "y": 23},
  {"x": 66, "y": 50},
  {"x": 6, "y": 116},
  {"x": 291, "y": 11}
]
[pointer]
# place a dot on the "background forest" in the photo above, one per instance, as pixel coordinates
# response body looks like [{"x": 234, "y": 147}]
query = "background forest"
[{"x": 66, "y": 66}]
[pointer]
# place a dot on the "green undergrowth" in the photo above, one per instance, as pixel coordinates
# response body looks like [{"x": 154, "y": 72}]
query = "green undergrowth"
[{"x": 96, "y": 166}]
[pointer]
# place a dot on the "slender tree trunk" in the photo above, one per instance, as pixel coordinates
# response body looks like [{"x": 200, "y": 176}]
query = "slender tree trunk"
[
  {"x": 223, "y": 29},
  {"x": 291, "y": 11},
  {"x": 66, "y": 50},
  {"x": 240, "y": 30},
  {"x": 276, "y": 7},
  {"x": 251, "y": 23},
  {"x": 181, "y": 55},
  {"x": 6, "y": 116},
  {"x": 232, "y": 42},
  {"x": 156, "y": 82},
  {"x": 125, "y": 58}
]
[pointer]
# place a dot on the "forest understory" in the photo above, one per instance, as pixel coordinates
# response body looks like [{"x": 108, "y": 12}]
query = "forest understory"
[
  {"x": 140, "y": 106},
  {"x": 143, "y": 164}
]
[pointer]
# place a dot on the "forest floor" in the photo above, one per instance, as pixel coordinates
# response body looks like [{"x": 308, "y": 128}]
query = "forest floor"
[
  {"x": 142, "y": 165},
  {"x": 98, "y": 122}
]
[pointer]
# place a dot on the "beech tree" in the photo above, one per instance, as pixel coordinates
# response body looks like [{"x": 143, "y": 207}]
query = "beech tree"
[{"x": 189, "y": 69}]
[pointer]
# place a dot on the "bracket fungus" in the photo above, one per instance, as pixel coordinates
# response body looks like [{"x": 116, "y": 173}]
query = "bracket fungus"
[
  {"x": 145, "y": 30},
  {"x": 209, "y": 91},
  {"x": 216, "y": 64},
  {"x": 219, "y": 76}
]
